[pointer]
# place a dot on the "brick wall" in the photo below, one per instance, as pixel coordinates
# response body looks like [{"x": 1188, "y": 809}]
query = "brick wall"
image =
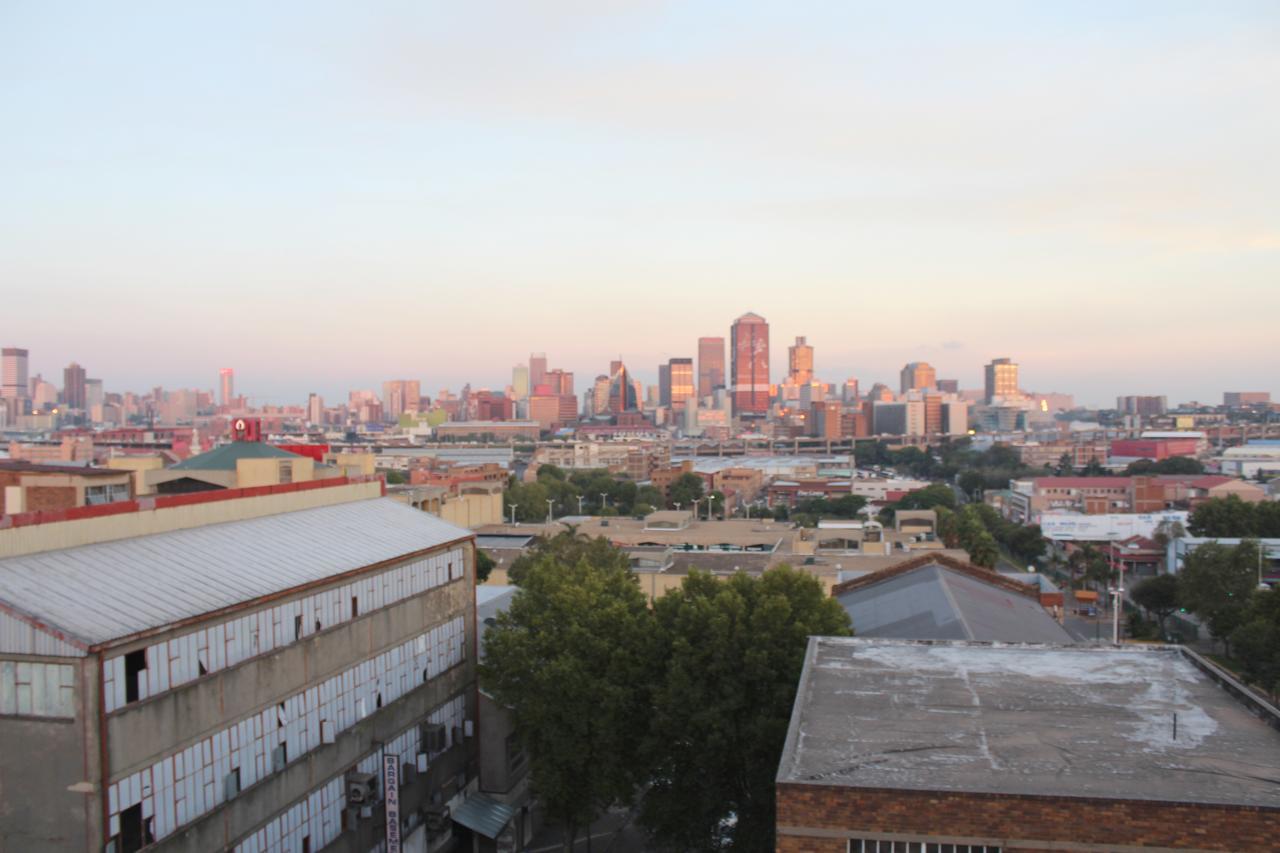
[{"x": 1010, "y": 819}]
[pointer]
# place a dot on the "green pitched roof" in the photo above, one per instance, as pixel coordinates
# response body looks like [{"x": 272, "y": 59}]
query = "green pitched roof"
[{"x": 224, "y": 458}]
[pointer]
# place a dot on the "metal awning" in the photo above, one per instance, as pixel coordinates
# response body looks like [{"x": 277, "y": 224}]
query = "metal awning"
[{"x": 484, "y": 815}]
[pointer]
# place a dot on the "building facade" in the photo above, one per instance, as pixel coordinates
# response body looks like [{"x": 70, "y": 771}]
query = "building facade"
[
  {"x": 749, "y": 345},
  {"x": 710, "y": 366},
  {"x": 1001, "y": 380}
]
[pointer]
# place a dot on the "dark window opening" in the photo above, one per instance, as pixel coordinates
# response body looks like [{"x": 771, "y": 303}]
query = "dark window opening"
[
  {"x": 306, "y": 844},
  {"x": 378, "y": 702},
  {"x": 355, "y": 607},
  {"x": 281, "y": 716},
  {"x": 425, "y": 676},
  {"x": 297, "y": 627},
  {"x": 134, "y": 663},
  {"x": 204, "y": 670},
  {"x": 135, "y": 833},
  {"x": 317, "y": 626}
]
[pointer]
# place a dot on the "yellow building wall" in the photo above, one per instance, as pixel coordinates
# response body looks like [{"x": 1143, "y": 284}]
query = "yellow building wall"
[{"x": 139, "y": 465}]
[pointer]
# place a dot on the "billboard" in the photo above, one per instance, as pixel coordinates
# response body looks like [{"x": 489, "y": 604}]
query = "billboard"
[
  {"x": 391, "y": 793},
  {"x": 1106, "y": 527}
]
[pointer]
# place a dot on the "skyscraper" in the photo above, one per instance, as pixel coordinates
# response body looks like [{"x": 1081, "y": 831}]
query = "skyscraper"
[
  {"x": 13, "y": 382},
  {"x": 315, "y": 409},
  {"x": 664, "y": 384},
  {"x": 710, "y": 365},
  {"x": 749, "y": 345},
  {"x": 800, "y": 362},
  {"x": 226, "y": 386},
  {"x": 918, "y": 376},
  {"x": 537, "y": 369},
  {"x": 1001, "y": 379},
  {"x": 400, "y": 396},
  {"x": 622, "y": 391},
  {"x": 680, "y": 379},
  {"x": 73, "y": 386},
  {"x": 520, "y": 381}
]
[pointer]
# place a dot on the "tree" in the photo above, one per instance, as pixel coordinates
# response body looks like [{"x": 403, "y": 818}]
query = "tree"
[
  {"x": 1172, "y": 465},
  {"x": 1087, "y": 562},
  {"x": 484, "y": 565},
  {"x": 571, "y": 658},
  {"x": 1227, "y": 517},
  {"x": 1158, "y": 596},
  {"x": 733, "y": 651},
  {"x": 570, "y": 547},
  {"x": 1065, "y": 466},
  {"x": 685, "y": 490},
  {"x": 395, "y": 478},
  {"x": 650, "y": 495},
  {"x": 1257, "y": 640},
  {"x": 1215, "y": 583}
]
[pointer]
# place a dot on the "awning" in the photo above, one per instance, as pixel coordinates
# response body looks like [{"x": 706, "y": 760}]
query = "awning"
[{"x": 484, "y": 815}]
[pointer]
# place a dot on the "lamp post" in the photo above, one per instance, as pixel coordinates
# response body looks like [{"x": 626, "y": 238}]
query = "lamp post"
[
  {"x": 580, "y": 499},
  {"x": 710, "y": 504},
  {"x": 513, "y": 514},
  {"x": 604, "y": 501},
  {"x": 550, "y": 503},
  {"x": 696, "y": 501}
]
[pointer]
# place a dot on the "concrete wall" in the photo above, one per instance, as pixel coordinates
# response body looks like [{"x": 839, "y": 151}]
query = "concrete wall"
[
  {"x": 473, "y": 509},
  {"x": 48, "y": 797}
]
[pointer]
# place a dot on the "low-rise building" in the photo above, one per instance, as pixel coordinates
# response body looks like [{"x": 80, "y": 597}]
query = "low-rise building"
[
  {"x": 265, "y": 682},
  {"x": 38, "y": 487},
  {"x": 899, "y": 745}
]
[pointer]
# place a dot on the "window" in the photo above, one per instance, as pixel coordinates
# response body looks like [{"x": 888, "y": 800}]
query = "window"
[
  {"x": 135, "y": 663},
  {"x": 135, "y": 832},
  {"x": 286, "y": 472},
  {"x": 297, "y": 627},
  {"x": 355, "y": 606},
  {"x": 867, "y": 845}
]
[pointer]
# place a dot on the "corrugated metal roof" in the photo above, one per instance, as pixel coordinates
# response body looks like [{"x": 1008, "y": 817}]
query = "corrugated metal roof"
[
  {"x": 115, "y": 589},
  {"x": 224, "y": 458},
  {"x": 934, "y": 603},
  {"x": 484, "y": 815}
]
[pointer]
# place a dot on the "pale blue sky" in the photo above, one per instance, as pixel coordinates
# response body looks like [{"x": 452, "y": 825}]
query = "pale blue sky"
[{"x": 326, "y": 195}]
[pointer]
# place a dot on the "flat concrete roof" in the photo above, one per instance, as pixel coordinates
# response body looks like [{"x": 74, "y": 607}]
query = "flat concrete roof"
[{"x": 1025, "y": 719}]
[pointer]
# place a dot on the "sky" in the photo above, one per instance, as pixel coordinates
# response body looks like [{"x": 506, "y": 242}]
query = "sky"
[{"x": 326, "y": 195}]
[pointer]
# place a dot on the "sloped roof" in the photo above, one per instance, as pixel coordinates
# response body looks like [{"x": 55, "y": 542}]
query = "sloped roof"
[
  {"x": 935, "y": 602},
  {"x": 224, "y": 458},
  {"x": 110, "y": 590}
]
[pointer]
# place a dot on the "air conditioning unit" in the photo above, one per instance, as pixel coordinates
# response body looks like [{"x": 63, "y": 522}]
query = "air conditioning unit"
[
  {"x": 436, "y": 817},
  {"x": 361, "y": 788},
  {"x": 434, "y": 737}
]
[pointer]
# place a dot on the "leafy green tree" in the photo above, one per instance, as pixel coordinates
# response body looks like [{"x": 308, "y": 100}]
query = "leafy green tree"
[
  {"x": 1215, "y": 584},
  {"x": 1227, "y": 517},
  {"x": 572, "y": 658},
  {"x": 484, "y": 565},
  {"x": 1257, "y": 640},
  {"x": 1085, "y": 563},
  {"x": 569, "y": 547},
  {"x": 1158, "y": 596},
  {"x": 685, "y": 490},
  {"x": 733, "y": 651},
  {"x": 1065, "y": 466},
  {"x": 395, "y": 478},
  {"x": 1172, "y": 465},
  {"x": 640, "y": 510},
  {"x": 529, "y": 499},
  {"x": 650, "y": 495}
]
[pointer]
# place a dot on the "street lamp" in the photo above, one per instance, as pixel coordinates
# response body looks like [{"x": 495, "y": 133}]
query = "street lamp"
[
  {"x": 580, "y": 499},
  {"x": 604, "y": 501},
  {"x": 512, "y": 507},
  {"x": 696, "y": 501},
  {"x": 710, "y": 504},
  {"x": 550, "y": 502}
]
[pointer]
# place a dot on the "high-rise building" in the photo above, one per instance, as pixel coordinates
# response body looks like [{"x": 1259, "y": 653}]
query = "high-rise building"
[
  {"x": 664, "y": 384},
  {"x": 13, "y": 373},
  {"x": 1236, "y": 399},
  {"x": 749, "y": 343},
  {"x": 1144, "y": 406},
  {"x": 559, "y": 381},
  {"x": 918, "y": 376},
  {"x": 680, "y": 379},
  {"x": 1001, "y": 379},
  {"x": 73, "y": 386},
  {"x": 949, "y": 386},
  {"x": 800, "y": 362},
  {"x": 520, "y": 381},
  {"x": 315, "y": 409},
  {"x": 710, "y": 365},
  {"x": 849, "y": 395},
  {"x": 537, "y": 369},
  {"x": 400, "y": 396},
  {"x": 824, "y": 419},
  {"x": 226, "y": 386},
  {"x": 622, "y": 391},
  {"x": 93, "y": 393}
]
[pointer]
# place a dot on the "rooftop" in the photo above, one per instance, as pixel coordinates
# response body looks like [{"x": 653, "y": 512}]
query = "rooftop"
[
  {"x": 110, "y": 590},
  {"x": 67, "y": 468},
  {"x": 224, "y": 458},
  {"x": 929, "y": 599},
  {"x": 1025, "y": 719}
]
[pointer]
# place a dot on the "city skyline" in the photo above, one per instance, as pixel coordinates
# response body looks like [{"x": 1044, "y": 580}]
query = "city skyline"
[{"x": 1081, "y": 188}]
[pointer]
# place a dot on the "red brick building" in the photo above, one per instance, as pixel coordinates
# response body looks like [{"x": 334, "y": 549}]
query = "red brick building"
[{"x": 930, "y": 746}]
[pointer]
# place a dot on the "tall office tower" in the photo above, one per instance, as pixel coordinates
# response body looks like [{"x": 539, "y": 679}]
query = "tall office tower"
[
  {"x": 749, "y": 345},
  {"x": 664, "y": 384},
  {"x": 520, "y": 381},
  {"x": 226, "y": 386},
  {"x": 315, "y": 409},
  {"x": 680, "y": 377},
  {"x": 13, "y": 373},
  {"x": 949, "y": 386},
  {"x": 1001, "y": 379},
  {"x": 710, "y": 365},
  {"x": 537, "y": 369},
  {"x": 622, "y": 392},
  {"x": 93, "y": 393},
  {"x": 73, "y": 386},
  {"x": 600, "y": 395},
  {"x": 393, "y": 399},
  {"x": 918, "y": 376},
  {"x": 849, "y": 395},
  {"x": 800, "y": 362},
  {"x": 560, "y": 381}
]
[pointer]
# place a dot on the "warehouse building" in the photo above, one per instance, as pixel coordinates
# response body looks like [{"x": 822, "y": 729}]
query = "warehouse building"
[
  {"x": 298, "y": 676},
  {"x": 955, "y": 746}
]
